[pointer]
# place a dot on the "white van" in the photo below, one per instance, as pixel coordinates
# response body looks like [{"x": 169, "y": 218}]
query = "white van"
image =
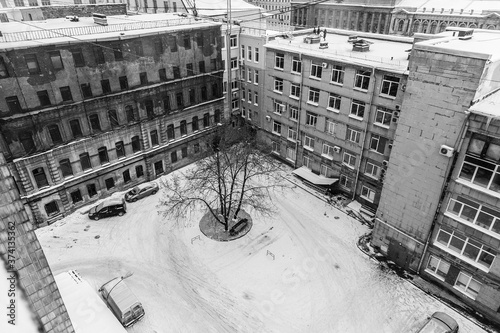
[{"x": 122, "y": 301}]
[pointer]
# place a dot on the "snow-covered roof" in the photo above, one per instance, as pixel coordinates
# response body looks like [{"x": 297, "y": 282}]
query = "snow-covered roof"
[
  {"x": 219, "y": 7},
  {"x": 387, "y": 52},
  {"x": 62, "y": 30},
  {"x": 488, "y": 107},
  {"x": 467, "y": 5}
]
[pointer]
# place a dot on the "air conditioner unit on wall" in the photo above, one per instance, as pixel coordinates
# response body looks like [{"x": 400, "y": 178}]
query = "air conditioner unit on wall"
[
  {"x": 336, "y": 149},
  {"x": 268, "y": 118},
  {"x": 446, "y": 151},
  {"x": 398, "y": 107},
  {"x": 385, "y": 162},
  {"x": 324, "y": 65},
  {"x": 395, "y": 114}
]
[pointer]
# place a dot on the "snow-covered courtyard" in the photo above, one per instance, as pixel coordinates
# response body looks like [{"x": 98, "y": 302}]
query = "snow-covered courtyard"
[{"x": 299, "y": 271}]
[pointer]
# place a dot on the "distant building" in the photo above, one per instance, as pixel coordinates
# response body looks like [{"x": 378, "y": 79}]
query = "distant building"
[
  {"x": 109, "y": 107},
  {"x": 278, "y": 13}
]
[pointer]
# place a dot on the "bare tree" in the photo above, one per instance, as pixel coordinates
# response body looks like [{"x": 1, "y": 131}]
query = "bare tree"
[{"x": 236, "y": 172}]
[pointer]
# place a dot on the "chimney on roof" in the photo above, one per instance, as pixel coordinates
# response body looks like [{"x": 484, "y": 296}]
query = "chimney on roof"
[
  {"x": 360, "y": 45},
  {"x": 100, "y": 19}
]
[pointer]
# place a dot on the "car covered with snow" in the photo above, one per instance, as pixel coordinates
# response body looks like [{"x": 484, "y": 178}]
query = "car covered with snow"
[
  {"x": 440, "y": 322},
  {"x": 141, "y": 191}
]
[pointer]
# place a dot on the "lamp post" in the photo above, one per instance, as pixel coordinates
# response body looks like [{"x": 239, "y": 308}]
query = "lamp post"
[{"x": 127, "y": 275}]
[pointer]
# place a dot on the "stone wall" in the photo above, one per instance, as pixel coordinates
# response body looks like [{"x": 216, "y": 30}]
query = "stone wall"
[
  {"x": 24, "y": 256},
  {"x": 50, "y": 12}
]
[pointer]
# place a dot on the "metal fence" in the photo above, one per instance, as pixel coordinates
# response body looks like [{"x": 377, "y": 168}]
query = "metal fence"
[{"x": 91, "y": 30}]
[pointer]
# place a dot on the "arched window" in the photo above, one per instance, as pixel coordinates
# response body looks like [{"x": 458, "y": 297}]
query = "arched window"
[
  {"x": 490, "y": 27},
  {"x": 463, "y": 25},
  {"x": 433, "y": 28},
  {"x": 452, "y": 24},
  {"x": 416, "y": 26},
  {"x": 425, "y": 24},
  {"x": 442, "y": 27},
  {"x": 400, "y": 25},
  {"x": 472, "y": 25}
]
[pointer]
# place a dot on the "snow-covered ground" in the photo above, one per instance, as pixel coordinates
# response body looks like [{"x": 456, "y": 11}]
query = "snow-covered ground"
[{"x": 299, "y": 271}]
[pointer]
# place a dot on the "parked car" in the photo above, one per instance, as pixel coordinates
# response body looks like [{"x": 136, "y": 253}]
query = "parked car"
[
  {"x": 141, "y": 191},
  {"x": 440, "y": 322},
  {"x": 110, "y": 207}
]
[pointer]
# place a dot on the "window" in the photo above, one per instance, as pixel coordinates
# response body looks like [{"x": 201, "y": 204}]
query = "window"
[
  {"x": 129, "y": 111},
  {"x": 276, "y": 127},
  {"x": 183, "y": 128},
  {"x": 316, "y": 71},
  {"x": 279, "y": 60},
  {"x": 106, "y": 88},
  {"x": 278, "y": 85},
  {"x": 330, "y": 127},
  {"x": 213, "y": 64},
  {"x": 291, "y": 153},
  {"x": 378, "y": 143},
  {"x": 13, "y": 104},
  {"x": 55, "y": 59},
  {"x": 249, "y": 76},
  {"x": 468, "y": 211},
  {"x": 162, "y": 73},
  {"x": 334, "y": 102},
  {"x": 313, "y": 96},
  {"x": 32, "y": 63},
  {"x": 76, "y": 130},
  {"x": 173, "y": 156},
  {"x": 158, "y": 166},
  {"x": 201, "y": 66},
  {"x": 311, "y": 119},
  {"x": 120, "y": 149},
  {"x": 468, "y": 285},
  {"x": 126, "y": 176},
  {"x": 196, "y": 148},
  {"x": 217, "y": 116},
  {"x": 275, "y": 147},
  {"x": 110, "y": 183},
  {"x": 170, "y": 132},
  {"x": 184, "y": 152},
  {"x": 256, "y": 58},
  {"x": 465, "y": 248},
  {"x": 295, "y": 91},
  {"x": 172, "y": 43},
  {"x": 362, "y": 79},
  {"x": 278, "y": 107},
  {"x": 371, "y": 170},
  {"x": 306, "y": 161},
  {"x": 256, "y": 98},
  {"x": 136, "y": 144},
  {"x": 179, "y": 98},
  {"x": 148, "y": 104},
  {"x": 86, "y": 90},
  {"x": 296, "y": 65},
  {"x": 337, "y": 74},
  {"x": 367, "y": 194},
  {"x": 117, "y": 51},
  {"x": 192, "y": 96},
  {"x": 177, "y": 72},
  {"x": 123, "y": 82},
  {"x": 76, "y": 196},
  {"x": 353, "y": 135},
  {"x": 383, "y": 117},
  {"x": 349, "y": 160},
  {"x": 309, "y": 142},
  {"x": 103, "y": 155},
  {"x": 3, "y": 68},
  {"x": 194, "y": 124},
  {"x": 91, "y": 190},
  {"x": 233, "y": 40},
  {"x": 94, "y": 122},
  {"x": 437, "y": 267},
  {"x": 204, "y": 94},
  {"x": 66, "y": 169},
  {"x": 206, "y": 120},
  {"x": 139, "y": 171},
  {"x": 235, "y": 104},
  {"x": 357, "y": 109},
  {"x": 154, "y": 137},
  {"x": 55, "y": 134},
  {"x": 234, "y": 63},
  {"x": 256, "y": 77},
  {"x": 243, "y": 52},
  {"x": 249, "y": 53},
  {"x": 324, "y": 170},
  {"x": 66, "y": 94},
  {"x": 390, "y": 85},
  {"x": 143, "y": 77},
  {"x": 139, "y": 51},
  {"x": 328, "y": 150},
  {"x": 158, "y": 46},
  {"x": 482, "y": 173},
  {"x": 98, "y": 54},
  {"x": 43, "y": 97},
  {"x": 215, "y": 90},
  {"x": 85, "y": 161},
  {"x": 345, "y": 182},
  {"x": 78, "y": 58},
  {"x": 51, "y": 208},
  {"x": 294, "y": 113},
  {"x": 166, "y": 103}
]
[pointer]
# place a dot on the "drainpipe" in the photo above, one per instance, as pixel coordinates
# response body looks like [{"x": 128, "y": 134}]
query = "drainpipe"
[
  {"x": 443, "y": 192},
  {"x": 299, "y": 111},
  {"x": 364, "y": 133}
]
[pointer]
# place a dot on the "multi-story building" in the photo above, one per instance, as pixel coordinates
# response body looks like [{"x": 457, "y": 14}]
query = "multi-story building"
[
  {"x": 334, "y": 109},
  {"x": 111, "y": 106},
  {"x": 278, "y": 13},
  {"x": 439, "y": 210}
]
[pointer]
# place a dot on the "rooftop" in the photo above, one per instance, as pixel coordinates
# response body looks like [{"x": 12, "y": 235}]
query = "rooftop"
[
  {"x": 476, "y": 6},
  {"x": 62, "y": 30},
  {"x": 386, "y": 52},
  {"x": 489, "y": 106}
]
